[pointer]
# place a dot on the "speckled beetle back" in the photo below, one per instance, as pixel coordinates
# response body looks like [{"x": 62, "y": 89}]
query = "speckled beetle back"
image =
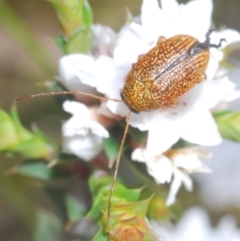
[{"x": 166, "y": 72}]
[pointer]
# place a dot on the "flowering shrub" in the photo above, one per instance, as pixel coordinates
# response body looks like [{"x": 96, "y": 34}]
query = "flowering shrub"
[{"x": 170, "y": 143}]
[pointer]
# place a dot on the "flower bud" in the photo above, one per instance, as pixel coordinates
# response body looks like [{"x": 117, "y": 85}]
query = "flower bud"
[
  {"x": 15, "y": 138},
  {"x": 72, "y": 14}
]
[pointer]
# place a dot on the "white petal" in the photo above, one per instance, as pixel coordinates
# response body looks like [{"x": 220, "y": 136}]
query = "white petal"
[
  {"x": 200, "y": 128},
  {"x": 104, "y": 72},
  {"x": 230, "y": 35},
  {"x": 170, "y": 6},
  {"x": 189, "y": 163},
  {"x": 213, "y": 64},
  {"x": 163, "y": 133},
  {"x": 98, "y": 129},
  {"x": 175, "y": 185},
  {"x": 85, "y": 147},
  {"x": 84, "y": 68},
  {"x": 67, "y": 67},
  {"x": 118, "y": 108},
  {"x": 215, "y": 91},
  {"x": 74, "y": 126},
  {"x": 195, "y": 221},
  {"x": 159, "y": 166},
  {"x": 161, "y": 169},
  {"x": 76, "y": 108},
  {"x": 178, "y": 178},
  {"x": 104, "y": 110},
  {"x": 140, "y": 155},
  {"x": 75, "y": 68},
  {"x": 130, "y": 45},
  {"x": 143, "y": 120},
  {"x": 190, "y": 159},
  {"x": 150, "y": 16},
  {"x": 199, "y": 13},
  {"x": 187, "y": 182}
]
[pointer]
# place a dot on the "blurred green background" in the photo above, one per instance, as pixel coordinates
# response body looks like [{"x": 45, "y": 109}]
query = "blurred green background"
[{"x": 19, "y": 76}]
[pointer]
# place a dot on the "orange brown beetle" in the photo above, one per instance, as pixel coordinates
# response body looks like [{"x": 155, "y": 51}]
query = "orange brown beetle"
[
  {"x": 158, "y": 79},
  {"x": 166, "y": 72}
]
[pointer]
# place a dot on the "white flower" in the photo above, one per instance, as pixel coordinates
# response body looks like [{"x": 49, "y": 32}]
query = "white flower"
[
  {"x": 196, "y": 226},
  {"x": 82, "y": 136},
  {"x": 220, "y": 190},
  {"x": 79, "y": 71},
  {"x": 174, "y": 165},
  {"x": 191, "y": 119}
]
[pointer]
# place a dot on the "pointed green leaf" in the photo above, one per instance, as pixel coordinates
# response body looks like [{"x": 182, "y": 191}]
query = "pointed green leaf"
[
  {"x": 39, "y": 146},
  {"x": 87, "y": 14},
  {"x": 34, "y": 169},
  {"x": 100, "y": 188},
  {"x": 8, "y": 136},
  {"x": 100, "y": 236},
  {"x": 80, "y": 42},
  {"x": 73, "y": 15},
  {"x": 228, "y": 124},
  {"x": 39, "y": 170},
  {"x": 21, "y": 131},
  {"x": 69, "y": 15}
]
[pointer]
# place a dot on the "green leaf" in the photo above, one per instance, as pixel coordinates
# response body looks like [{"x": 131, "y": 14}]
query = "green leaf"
[
  {"x": 38, "y": 146},
  {"x": 26, "y": 38},
  {"x": 69, "y": 15},
  {"x": 8, "y": 137},
  {"x": 21, "y": 131},
  {"x": 228, "y": 123},
  {"x": 100, "y": 187},
  {"x": 101, "y": 236},
  {"x": 48, "y": 227},
  {"x": 87, "y": 14},
  {"x": 36, "y": 169},
  {"x": 75, "y": 209},
  {"x": 39, "y": 169},
  {"x": 80, "y": 42},
  {"x": 111, "y": 147},
  {"x": 73, "y": 15},
  {"x": 127, "y": 220},
  {"x": 14, "y": 137},
  {"x": 61, "y": 43}
]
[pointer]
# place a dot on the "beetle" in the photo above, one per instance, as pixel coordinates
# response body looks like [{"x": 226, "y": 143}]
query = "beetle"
[
  {"x": 158, "y": 79},
  {"x": 166, "y": 72}
]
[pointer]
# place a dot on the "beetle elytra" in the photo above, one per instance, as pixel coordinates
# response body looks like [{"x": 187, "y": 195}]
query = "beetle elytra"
[{"x": 158, "y": 79}]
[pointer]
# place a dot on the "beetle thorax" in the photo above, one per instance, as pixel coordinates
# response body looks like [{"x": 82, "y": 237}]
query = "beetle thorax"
[{"x": 137, "y": 95}]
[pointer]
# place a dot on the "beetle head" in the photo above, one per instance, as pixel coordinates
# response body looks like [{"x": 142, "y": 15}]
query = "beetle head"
[{"x": 196, "y": 48}]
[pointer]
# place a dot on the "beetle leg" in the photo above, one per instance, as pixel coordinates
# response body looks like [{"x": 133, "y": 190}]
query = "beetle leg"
[
  {"x": 140, "y": 56},
  {"x": 161, "y": 39},
  {"x": 169, "y": 105},
  {"x": 173, "y": 104},
  {"x": 203, "y": 78}
]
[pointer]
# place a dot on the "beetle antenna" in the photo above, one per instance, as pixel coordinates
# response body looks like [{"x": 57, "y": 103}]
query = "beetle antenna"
[
  {"x": 117, "y": 162},
  {"x": 102, "y": 98},
  {"x": 159, "y": 3},
  {"x": 207, "y": 43},
  {"x": 209, "y": 32}
]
